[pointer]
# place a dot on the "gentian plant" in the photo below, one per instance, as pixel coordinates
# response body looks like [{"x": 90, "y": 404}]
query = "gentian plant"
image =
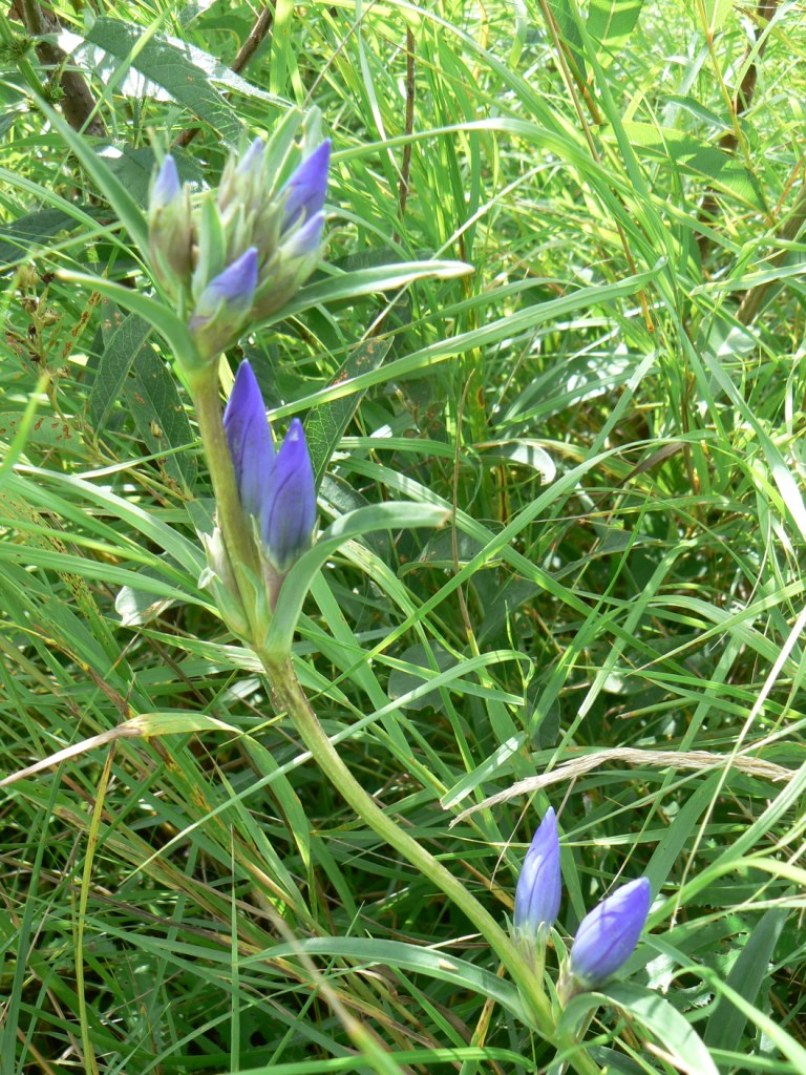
[{"x": 222, "y": 261}]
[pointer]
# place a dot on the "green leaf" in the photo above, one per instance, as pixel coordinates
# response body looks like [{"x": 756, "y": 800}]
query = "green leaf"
[
  {"x": 21, "y": 237},
  {"x": 402, "y": 681},
  {"x": 127, "y": 209},
  {"x": 350, "y": 285},
  {"x": 716, "y": 12},
  {"x": 119, "y": 353},
  {"x": 168, "y": 325},
  {"x": 727, "y": 1022},
  {"x": 160, "y": 415},
  {"x": 167, "y": 65},
  {"x": 679, "y": 1039},
  {"x": 325, "y": 425},
  {"x": 566, "y": 17},
  {"x": 391, "y": 516},
  {"x": 610, "y": 23},
  {"x": 51, "y": 431},
  {"x": 370, "y": 952},
  {"x": 771, "y": 1028}
]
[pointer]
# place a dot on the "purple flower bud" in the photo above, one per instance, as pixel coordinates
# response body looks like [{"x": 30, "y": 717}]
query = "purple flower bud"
[
  {"x": 236, "y": 285},
  {"x": 166, "y": 186},
  {"x": 607, "y": 937},
  {"x": 252, "y": 160},
  {"x": 289, "y": 510},
  {"x": 538, "y": 892},
  {"x": 307, "y": 239},
  {"x": 305, "y": 190},
  {"x": 231, "y": 291},
  {"x": 249, "y": 439}
]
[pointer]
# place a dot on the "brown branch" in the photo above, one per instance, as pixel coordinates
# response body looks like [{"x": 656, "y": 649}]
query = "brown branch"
[
  {"x": 245, "y": 53},
  {"x": 741, "y": 105},
  {"x": 78, "y": 104},
  {"x": 253, "y": 40},
  {"x": 753, "y": 299},
  {"x": 405, "y": 168}
]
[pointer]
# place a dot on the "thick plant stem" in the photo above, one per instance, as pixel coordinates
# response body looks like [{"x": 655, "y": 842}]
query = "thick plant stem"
[
  {"x": 290, "y": 697},
  {"x": 241, "y": 549}
]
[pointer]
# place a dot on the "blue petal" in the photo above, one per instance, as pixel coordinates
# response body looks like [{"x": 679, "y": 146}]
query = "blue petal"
[
  {"x": 236, "y": 284},
  {"x": 250, "y": 441},
  {"x": 290, "y": 510},
  {"x": 166, "y": 186},
  {"x": 252, "y": 160},
  {"x": 307, "y": 239},
  {"x": 539, "y": 888},
  {"x": 305, "y": 190},
  {"x": 607, "y": 937}
]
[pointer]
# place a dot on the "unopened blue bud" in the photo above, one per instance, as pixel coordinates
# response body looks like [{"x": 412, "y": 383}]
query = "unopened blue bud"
[
  {"x": 231, "y": 291},
  {"x": 607, "y": 937},
  {"x": 252, "y": 160},
  {"x": 305, "y": 190},
  {"x": 250, "y": 441},
  {"x": 166, "y": 186},
  {"x": 539, "y": 888},
  {"x": 290, "y": 508},
  {"x": 305, "y": 240},
  {"x": 170, "y": 229}
]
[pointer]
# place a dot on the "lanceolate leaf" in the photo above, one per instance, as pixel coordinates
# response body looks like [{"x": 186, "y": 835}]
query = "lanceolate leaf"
[{"x": 389, "y": 516}]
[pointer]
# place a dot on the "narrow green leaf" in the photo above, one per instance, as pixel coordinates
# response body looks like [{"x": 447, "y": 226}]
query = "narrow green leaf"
[
  {"x": 771, "y": 1028},
  {"x": 727, "y": 1022},
  {"x": 128, "y": 211},
  {"x": 350, "y": 285},
  {"x": 325, "y": 425},
  {"x": 679, "y": 1039},
  {"x": 168, "y": 325},
  {"x": 120, "y": 351},
  {"x": 369, "y": 951},
  {"x": 391, "y": 516},
  {"x": 160, "y": 415}
]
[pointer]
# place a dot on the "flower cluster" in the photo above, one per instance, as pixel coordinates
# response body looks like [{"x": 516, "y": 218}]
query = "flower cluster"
[
  {"x": 239, "y": 253},
  {"x": 276, "y": 489},
  {"x": 606, "y": 937}
]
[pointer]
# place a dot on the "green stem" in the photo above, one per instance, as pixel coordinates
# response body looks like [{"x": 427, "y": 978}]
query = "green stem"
[
  {"x": 290, "y": 698},
  {"x": 238, "y": 541}
]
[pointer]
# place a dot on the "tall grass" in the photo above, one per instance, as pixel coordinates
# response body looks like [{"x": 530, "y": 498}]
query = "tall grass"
[{"x": 609, "y": 408}]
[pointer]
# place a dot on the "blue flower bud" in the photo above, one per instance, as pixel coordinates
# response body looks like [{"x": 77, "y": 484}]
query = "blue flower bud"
[
  {"x": 250, "y": 441},
  {"x": 289, "y": 512},
  {"x": 607, "y": 937},
  {"x": 170, "y": 229},
  {"x": 539, "y": 888},
  {"x": 223, "y": 305},
  {"x": 305, "y": 240},
  {"x": 166, "y": 186},
  {"x": 305, "y": 190},
  {"x": 252, "y": 160}
]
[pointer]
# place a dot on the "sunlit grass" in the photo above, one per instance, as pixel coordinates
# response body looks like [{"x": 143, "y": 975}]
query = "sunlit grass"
[{"x": 609, "y": 408}]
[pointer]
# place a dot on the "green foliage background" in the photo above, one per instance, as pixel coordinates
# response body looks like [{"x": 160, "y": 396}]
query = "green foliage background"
[{"x": 610, "y": 408}]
